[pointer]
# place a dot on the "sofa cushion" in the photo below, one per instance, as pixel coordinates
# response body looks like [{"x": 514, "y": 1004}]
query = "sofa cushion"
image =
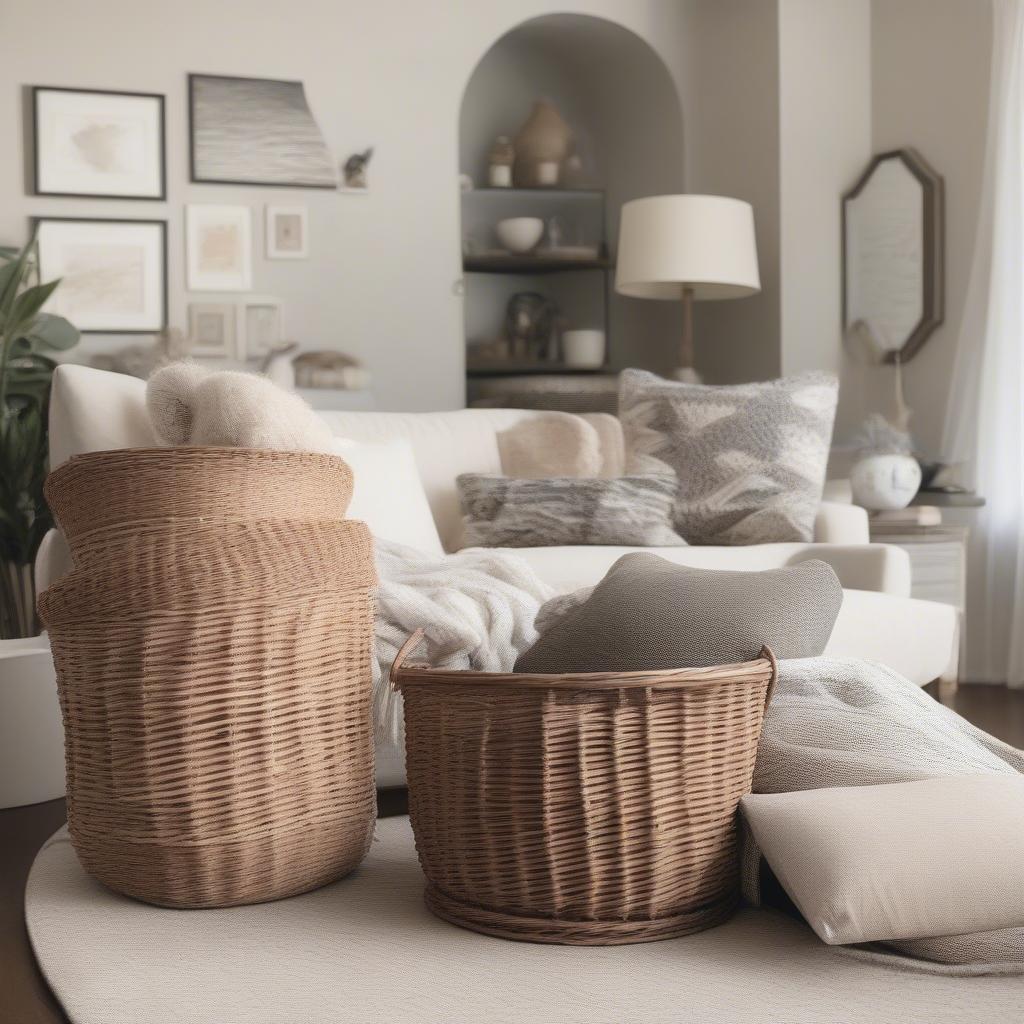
[
  {"x": 499, "y": 511},
  {"x": 903, "y": 861},
  {"x": 387, "y": 493},
  {"x": 649, "y": 614},
  {"x": 750, "y": 458}
]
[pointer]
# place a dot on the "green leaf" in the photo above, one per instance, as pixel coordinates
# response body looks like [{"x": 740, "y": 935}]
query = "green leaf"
[
  {"x": 53, "y": 332},
  {"x": 11, "y": 282},
  {"x": 10, "y": 275},
  {"x": 28, "y": 304}
]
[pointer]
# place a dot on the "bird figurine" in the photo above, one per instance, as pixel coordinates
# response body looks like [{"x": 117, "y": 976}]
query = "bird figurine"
[{"x": 354, "y": 169}]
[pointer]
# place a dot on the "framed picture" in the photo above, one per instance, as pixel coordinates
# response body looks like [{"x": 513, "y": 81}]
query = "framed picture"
[
  {"x": 218, "y": 242},
  {"x": 255, "y": 131},
  {"x": 212, "y": 328},
  {"x": 286, "y": 233},
  {"x": 113, "y": 272},
  {"x": 97, "y": 142},
  {"x": 262, "y": 327}
]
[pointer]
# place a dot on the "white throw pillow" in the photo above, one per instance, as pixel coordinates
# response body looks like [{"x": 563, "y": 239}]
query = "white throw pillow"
[
  {"x": 904, "y": 861},
  {"x": 388, "y": 494}
]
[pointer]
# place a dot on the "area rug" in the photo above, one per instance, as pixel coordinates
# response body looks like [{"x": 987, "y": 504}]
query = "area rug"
[{"x": 365, "y": 949}]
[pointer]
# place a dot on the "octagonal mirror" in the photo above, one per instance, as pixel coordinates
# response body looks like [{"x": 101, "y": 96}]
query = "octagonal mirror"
[{"x": 893, "y": 257}]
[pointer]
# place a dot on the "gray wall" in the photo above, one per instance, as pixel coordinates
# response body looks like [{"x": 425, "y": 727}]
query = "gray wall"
[{"x": 930, "y": 79}]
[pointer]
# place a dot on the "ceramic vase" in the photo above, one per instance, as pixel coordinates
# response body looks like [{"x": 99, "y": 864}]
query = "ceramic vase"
[
  {"x": 883, "y": 483},
  {"x": 541, "y": 146}
]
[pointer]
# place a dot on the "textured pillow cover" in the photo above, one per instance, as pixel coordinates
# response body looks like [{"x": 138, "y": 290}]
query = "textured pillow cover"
[
  {"x": 648, "y": 613},
  {"x": 909, "y": 860},
  {"x": 750, "y": 458},
  {"x": 502, "y": 512}
]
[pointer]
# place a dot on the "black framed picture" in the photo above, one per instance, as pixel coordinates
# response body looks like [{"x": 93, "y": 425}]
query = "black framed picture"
[
  {"x": 98, "y": 143},
  {"x": 113, "y": 272},
  {"x": 255, "y": 131}
]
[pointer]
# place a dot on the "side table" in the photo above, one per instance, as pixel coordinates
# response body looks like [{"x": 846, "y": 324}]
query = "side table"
[{"x": 938, "y": 564}]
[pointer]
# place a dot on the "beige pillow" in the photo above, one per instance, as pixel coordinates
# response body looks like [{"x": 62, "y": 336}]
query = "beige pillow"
[{"x": 904, "y": 861}]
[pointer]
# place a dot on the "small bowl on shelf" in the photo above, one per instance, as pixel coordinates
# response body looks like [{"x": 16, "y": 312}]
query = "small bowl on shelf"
[{"x": 520, "y": 234}]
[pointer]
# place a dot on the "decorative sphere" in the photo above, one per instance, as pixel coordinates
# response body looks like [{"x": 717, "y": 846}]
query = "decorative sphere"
[{"x": 885, "y": 482}]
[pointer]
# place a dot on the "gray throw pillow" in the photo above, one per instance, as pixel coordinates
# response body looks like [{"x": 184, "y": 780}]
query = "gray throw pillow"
[
  {"x": 502, "y": 512},
  {"x": 648, "y": 614},
  {"x": 750, "y": 458}
]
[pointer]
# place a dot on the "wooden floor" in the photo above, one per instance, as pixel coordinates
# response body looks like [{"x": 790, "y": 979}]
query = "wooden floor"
[{"x": 24, "y": 997}]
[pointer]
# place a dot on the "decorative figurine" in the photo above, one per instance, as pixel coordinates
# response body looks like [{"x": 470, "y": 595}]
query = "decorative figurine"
[
  {"x": 886, "y": 475},
  {"x": 354, "y": 169}
]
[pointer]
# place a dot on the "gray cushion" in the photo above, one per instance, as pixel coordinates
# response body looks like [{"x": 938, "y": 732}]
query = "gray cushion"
[
  {"x": 750, "y": 458},
  {"x": 648, "y": 613},
  {"x": 499, "y": 511}
]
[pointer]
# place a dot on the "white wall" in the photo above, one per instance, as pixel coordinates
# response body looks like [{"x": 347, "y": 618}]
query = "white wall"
[
  {"x": 825, "y": 143},
  {"x": 930, "y": 78},
  {"x": 380, "y": 283}
]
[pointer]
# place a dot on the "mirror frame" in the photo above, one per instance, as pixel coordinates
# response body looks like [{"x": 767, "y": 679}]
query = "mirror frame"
[{"x": 933, "y": 247}]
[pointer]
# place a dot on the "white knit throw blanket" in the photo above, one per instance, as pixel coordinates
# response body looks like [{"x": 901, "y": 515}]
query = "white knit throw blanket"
[
  {"x": 476, "y": 607},
  {"x": 846, "y": 722}
]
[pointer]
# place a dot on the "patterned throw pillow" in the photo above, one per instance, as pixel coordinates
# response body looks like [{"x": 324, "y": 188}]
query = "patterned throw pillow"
[
  {"x": 648, "y": 613},
  {"x": 750, "y": 458},
  {"x": 502, "y": 512}
]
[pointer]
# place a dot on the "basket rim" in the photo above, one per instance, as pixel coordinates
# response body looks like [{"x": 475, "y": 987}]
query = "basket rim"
[
  {"x": 154, "y": 450},
  {"x": 712, "y": 675}
]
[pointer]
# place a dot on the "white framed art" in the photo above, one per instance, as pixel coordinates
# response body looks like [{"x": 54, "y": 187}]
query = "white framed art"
[
  {"x": 213, "y": 329},
  {"x": 218, "y": 243},
  {"x": 286, "y": 230},
  {"x": 113, "y": 272},
  {"x": 261, "y": 326},
  {"x": 98, "y": 142}
]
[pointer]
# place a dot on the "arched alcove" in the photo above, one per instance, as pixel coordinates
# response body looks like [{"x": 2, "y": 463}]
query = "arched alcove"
[{"x": 618, "y": 97}]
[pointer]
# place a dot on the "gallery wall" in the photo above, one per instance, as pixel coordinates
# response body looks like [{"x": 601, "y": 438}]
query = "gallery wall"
[{"x": 381, "y": 281}]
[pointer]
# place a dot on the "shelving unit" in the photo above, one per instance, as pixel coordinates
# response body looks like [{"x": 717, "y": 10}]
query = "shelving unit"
[{"x": 580, "y": 286}]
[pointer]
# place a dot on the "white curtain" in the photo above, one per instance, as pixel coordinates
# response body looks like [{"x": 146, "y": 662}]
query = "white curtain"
[{"x": 985, "y": 419}]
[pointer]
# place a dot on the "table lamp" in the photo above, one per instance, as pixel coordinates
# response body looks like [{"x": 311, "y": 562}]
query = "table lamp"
[{"x": 687, "y": 247}]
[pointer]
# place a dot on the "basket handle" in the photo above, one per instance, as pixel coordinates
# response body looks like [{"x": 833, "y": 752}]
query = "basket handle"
[
  {"x": 403, "y": 652},
  {"x": 766, "y": 652}
]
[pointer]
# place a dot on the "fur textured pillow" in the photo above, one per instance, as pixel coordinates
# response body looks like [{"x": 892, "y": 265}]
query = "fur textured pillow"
[
  {"x": 750, "y": 458},
  {"x": 649, "y": 613},
  {"x": 501, "y": 512},
  {"x": 190, "y": 405}
]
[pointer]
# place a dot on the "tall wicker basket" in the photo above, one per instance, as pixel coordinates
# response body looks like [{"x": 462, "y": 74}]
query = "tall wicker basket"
[
  {"x": 212, "y": 647},
  {"x": 592, "y": 809}
]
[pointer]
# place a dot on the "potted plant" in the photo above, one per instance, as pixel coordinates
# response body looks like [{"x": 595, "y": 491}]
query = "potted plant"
[{"x": 26, "y": 335}]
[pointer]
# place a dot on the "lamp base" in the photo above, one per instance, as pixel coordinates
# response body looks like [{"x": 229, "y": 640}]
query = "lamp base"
[{"x": 686, "y": 375}]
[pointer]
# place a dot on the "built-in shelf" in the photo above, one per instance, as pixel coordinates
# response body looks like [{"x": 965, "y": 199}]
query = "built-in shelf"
[
  {"x": 513, "y": 369},
  {"x": 553, "y": 191},
  {"x": 512, "y": 264}
]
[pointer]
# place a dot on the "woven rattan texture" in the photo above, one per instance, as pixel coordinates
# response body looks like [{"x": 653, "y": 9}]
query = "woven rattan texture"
[
  {"x": 213, "y": 666},
  {"x": 593, "y": 809}
]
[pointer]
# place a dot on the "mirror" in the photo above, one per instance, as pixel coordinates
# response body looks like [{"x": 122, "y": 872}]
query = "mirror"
[{"x": 893, "y": 257}]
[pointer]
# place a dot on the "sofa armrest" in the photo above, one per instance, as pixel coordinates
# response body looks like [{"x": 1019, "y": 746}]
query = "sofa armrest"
[
  {"x": 883, "y": 568},
  {"x": 838, "y": 523}
]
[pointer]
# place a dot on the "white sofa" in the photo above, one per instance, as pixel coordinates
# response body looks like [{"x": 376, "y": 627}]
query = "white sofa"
[{"x": 93, "y": 410}]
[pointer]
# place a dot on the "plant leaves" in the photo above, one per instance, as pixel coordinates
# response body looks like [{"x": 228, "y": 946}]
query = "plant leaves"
[
  {"x": 28, "y": 304},
  {"x": 53, "y": 332}
]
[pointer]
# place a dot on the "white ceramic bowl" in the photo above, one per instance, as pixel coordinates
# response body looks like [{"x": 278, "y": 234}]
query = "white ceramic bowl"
[
  {"x": 520, "y": 234},
  {"x": 583, "y": 347}
]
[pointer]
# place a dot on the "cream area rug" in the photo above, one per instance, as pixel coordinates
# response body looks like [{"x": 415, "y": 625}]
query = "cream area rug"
[{"x": 365, "y": 950}]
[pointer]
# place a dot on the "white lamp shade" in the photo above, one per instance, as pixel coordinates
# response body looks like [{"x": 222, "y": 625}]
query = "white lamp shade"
[{"x": 705, "y": 243}]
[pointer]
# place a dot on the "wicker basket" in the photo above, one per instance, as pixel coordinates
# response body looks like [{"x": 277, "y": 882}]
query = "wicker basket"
[
  {"x": 212, "y": 647},
  {"x": 589, "y": 809}
]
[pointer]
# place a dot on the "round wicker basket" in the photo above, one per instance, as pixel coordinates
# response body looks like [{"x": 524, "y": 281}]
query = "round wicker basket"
[
  {"x": 592, "y": 809},
  {"x": 212, "y": 647}
]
